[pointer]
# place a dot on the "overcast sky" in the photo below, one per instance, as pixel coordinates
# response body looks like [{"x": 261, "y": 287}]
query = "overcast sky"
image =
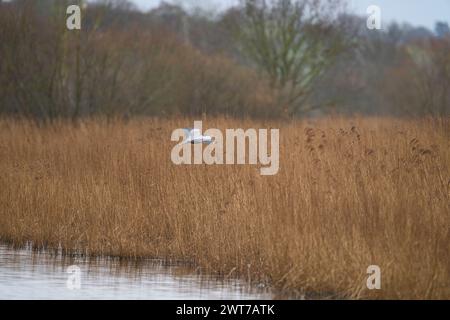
[{"x": 416, "y": 12}]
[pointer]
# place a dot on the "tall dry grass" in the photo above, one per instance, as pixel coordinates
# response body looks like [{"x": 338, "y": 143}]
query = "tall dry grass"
[{"x": 350, "y": 193}]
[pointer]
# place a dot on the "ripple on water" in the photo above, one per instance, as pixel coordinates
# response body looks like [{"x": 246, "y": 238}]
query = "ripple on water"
[{"x": 27, "y": 274}]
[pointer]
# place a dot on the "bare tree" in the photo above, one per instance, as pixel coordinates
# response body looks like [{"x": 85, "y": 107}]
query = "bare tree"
[
  {"x": 431, "y": 76},
  {"x": 293, "y": 43}
]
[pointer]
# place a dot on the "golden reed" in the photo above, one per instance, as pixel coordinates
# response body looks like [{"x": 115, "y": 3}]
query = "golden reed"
[{"x": 349, "y": 193}]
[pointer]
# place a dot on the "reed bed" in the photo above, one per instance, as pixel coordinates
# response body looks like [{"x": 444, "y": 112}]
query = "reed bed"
[{"x": 350, "y": 192}]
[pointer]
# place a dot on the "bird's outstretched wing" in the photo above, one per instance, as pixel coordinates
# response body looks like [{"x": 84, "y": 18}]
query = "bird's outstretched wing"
[
  {"x": 187, "y": 133},
  {"x": 192, "y": 133}
]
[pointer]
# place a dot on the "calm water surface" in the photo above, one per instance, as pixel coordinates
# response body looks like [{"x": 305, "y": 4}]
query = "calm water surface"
[{"x": 27, "y": 274}]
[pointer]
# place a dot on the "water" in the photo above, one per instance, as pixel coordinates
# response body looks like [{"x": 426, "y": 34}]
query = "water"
[{"x": 27, "y": 274}]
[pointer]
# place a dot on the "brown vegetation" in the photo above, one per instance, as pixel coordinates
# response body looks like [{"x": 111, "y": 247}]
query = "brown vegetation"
[
  {"x": 254, "y": 60},
  {"x": 349, "y": 193}
]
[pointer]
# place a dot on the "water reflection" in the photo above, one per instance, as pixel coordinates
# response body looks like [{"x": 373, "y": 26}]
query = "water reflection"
[{"x": 27, "y": 274}]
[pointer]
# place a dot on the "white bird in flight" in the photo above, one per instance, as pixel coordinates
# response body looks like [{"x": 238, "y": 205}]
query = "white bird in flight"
[{"x": 194, "y": 135}]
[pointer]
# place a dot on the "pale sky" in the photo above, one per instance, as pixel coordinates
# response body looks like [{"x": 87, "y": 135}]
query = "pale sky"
[{"x": 416, "y": 12}]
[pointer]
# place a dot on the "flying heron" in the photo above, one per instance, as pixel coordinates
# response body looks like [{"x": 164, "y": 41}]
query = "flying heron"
[{"x": 193, "y": 136}]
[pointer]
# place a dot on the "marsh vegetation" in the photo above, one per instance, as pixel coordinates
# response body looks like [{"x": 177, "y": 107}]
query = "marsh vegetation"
[{"x": 350, "y": 192}]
